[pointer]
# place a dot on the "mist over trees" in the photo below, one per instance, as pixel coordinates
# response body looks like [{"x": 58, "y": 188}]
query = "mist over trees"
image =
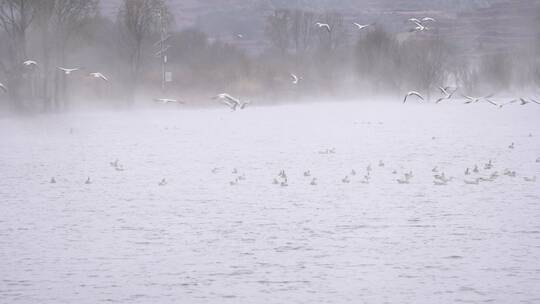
[{"x": 342, "y": 63}]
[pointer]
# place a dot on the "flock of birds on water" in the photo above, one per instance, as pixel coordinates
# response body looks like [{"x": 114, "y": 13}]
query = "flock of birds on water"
[
  {"x": 234, "y": 103},
  {"x": 474, "y": 175}
]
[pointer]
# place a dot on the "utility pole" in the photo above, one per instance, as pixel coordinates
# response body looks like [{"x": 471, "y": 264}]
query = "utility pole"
[{"x": 163, "y": 48}]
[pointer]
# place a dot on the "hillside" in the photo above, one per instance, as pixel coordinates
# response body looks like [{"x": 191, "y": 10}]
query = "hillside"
[{"x": 478, "y": 24}]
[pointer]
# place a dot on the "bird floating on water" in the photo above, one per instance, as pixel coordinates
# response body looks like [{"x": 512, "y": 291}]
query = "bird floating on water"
[
  {"x": 88, "y": 181},
  {"x": 403, "y": 181},
  {"x": 167, "y": 100},
  {"x": 529, "y": 179},
  {"x": 472, "y": 182},
  {"x": 114, "y": 163},
  {"x": 53, "y": 180}
]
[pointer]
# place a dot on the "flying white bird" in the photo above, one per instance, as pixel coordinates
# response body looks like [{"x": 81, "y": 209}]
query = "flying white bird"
[
  {"x": 414, "y": 20},
  {"x": 3, "y": 87},
  {"x": 419, "y": 27},
  {"x": 362, "y": 26},
  {"x": 501, "y": 105},
  {"x": 30, "y": 63},
  {"x": 413, "y": 93},
  {"x": 167, "y": 100},
  {"x": 326, "y": 26},
  {"x": 99, "y": 76},
  {"x": 471, "y": 99},
  {"x": 231, "y": 102},
  {"x": 426, "y": 19},
  {"x": 68, "y": 71},
  {"x": 525, "y": 101},
  {"x": 295, "y": 78},
  {"x": 494, "y": 103},
  {"x": 447, "y": 93}
]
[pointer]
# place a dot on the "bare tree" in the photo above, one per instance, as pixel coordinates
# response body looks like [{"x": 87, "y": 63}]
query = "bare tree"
[
  {"x": 59, "y": 21},
  {"x": 337, "y": 36},
  {"x": 496, "y": 70},
  {"x": 139, "y": 19},
  {"x": 378, "y": 59},
  {"x": 302, "y": 30},
  {"x": 427, "y": 60},
  {"x": 15, "y": 19},
  {"x": 277, "y": 30}
]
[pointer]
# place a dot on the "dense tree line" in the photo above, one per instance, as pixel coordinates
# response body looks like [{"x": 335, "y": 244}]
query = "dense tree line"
[{"x": 343, "y": 62}]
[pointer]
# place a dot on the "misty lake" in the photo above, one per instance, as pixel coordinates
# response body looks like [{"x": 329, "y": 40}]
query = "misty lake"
[{"x": 123, "y": 238}]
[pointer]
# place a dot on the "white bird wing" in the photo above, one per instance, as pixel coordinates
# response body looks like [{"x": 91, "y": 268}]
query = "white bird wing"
[
  {"x": 295, "y": 78},
  {"x": 492, "y": 102},
  {"x": 99, "y": 75},
  {"x": 469, "y": 98},
  {"x": 452, "y": 94},
  {"x": 510, "y": 102},
  {"x": 102, "y": 77},
  {"x": 326, "y": 26},
  {"x": 444, "y": 91},
  {"x": 232, "y": 99},
  {"x": 413, "y": 93},
  {"x": 419, "y": 25},
  {"x": 228, "y": 100},
  {"x": 361, "y": 26},
  {"x": 414, "y": 20},
  {"x": 535, "y": 101},
  {"x": 428, "y": 19},
  {"x": 67, "y": 70},
  {"x": 3, "y": 87}
]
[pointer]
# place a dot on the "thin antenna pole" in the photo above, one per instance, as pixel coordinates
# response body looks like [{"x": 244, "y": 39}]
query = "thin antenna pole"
[{"x": 162, "y": 50}]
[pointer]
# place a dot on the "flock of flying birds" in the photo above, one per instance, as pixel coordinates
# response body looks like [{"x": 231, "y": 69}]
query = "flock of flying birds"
[
  {"x": 234, "y": 103},
  {"x": 32, "y": 65},
  {"x": 447, "y": 94}
]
